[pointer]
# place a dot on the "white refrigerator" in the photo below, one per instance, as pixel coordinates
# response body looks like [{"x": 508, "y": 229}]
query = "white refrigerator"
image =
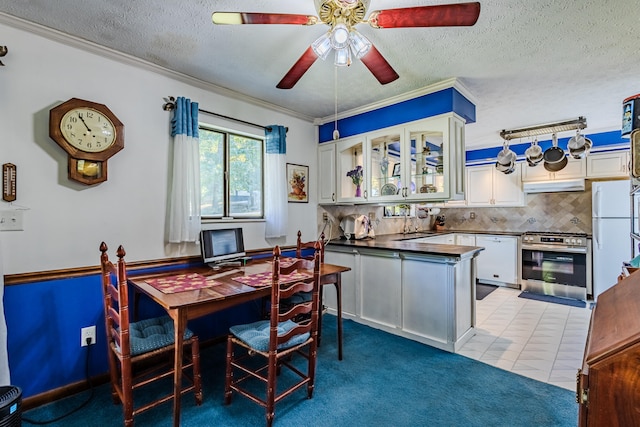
[{"x": 611, "y": 244}]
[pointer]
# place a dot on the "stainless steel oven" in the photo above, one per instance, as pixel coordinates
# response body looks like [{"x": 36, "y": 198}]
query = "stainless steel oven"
[{"x": 557, "y": 264}]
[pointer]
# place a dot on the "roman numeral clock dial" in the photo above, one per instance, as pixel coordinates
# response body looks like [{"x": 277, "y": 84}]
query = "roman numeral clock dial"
[{"x": 90, "y": 134}]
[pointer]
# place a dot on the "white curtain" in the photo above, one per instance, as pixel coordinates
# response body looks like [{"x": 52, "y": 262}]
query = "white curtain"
[
  {"x": 184, "y": 197},
  {"x": 275, "y": 191},
  {"x": 5, "y": 378}
]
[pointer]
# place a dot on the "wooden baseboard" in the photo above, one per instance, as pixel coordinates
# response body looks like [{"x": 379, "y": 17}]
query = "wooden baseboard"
[{"x": 81, "y": 386}]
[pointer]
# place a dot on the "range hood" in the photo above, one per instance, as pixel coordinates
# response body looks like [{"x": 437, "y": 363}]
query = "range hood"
[{"x": 554, "y": 186}]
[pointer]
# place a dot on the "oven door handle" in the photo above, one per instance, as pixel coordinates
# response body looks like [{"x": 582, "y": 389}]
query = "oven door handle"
[{"x": 551, "y": 248}]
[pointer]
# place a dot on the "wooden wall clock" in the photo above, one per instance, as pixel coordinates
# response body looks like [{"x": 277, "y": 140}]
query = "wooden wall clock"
[{"x": 90, "y": 134}]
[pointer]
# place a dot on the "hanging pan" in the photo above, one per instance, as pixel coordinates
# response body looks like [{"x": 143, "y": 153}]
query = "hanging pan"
[
  {"x": 554, "y": 158},
  {"x": 553, "y": 154}
]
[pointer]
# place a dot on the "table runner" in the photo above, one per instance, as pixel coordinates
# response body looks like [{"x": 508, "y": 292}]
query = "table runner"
[
  {"x": 181, "y": 283},
  {"x": 264, "y": 279}
]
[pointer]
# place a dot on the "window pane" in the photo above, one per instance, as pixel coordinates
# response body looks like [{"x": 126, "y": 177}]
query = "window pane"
[
  {"x": 211, "y": 173},
  {"x": 245, "y": 176}
]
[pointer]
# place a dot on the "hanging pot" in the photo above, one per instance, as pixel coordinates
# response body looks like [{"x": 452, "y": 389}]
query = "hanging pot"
[
  {"x": 553, "y": 154},
  {"x": 577, "y": 146},
  {"x": 533, "y": 154},
  {"x": 506, "y": 162},
  {"x": 506, "y": 156}
]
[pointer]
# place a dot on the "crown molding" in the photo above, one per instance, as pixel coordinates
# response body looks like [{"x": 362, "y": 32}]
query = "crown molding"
[{"x": 91, "y": 47}]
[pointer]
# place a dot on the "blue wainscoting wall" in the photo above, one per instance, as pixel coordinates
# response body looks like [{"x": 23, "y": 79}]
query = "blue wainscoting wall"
[{"x": 44, "y": 321}]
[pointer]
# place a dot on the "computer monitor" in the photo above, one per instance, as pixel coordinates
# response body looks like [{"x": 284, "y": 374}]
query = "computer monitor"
[{"x": 221, "y": 245}]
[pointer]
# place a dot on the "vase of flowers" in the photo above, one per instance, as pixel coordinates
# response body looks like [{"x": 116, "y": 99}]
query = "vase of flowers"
[{"x": 356, "y": 176}]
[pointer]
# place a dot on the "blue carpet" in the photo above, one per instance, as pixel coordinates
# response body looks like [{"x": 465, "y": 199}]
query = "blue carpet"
[
  {"x": 384, "y": 380},
  {"x": 553, "y": 299}
]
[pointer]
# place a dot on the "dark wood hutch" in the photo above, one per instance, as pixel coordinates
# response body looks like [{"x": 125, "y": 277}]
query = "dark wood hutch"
[{"x": 608, "y": 385}]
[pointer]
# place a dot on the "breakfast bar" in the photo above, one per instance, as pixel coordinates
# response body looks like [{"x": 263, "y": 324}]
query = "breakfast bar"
[{"x": 421, "y": 291}]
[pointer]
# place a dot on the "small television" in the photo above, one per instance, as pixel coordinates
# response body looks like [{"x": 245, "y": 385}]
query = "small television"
[{"x": 218, "y": 246}]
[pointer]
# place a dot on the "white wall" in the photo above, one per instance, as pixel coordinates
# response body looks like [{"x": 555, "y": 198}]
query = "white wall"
[{"x": 66, "y": 221}]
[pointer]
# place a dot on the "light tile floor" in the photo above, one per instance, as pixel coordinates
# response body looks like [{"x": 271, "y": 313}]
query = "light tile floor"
[{"x": 539, "y": 340}]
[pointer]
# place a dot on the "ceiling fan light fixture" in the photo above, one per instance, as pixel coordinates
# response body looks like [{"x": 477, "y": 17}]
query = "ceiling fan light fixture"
[
  {"x": 360, "y": 45},
  {"x": 322, "y": 46},
  {"x": 340, "y": 37},
  {"x": 343, "y": 57}
]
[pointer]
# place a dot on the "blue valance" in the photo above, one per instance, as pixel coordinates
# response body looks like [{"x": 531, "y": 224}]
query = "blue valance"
[
  {"x": 185, "y": 118},
  {"x": 276, "y": 139}
]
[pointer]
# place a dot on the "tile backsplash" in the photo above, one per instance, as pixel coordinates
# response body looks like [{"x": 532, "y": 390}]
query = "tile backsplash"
[{"x": 557, "y": 212}]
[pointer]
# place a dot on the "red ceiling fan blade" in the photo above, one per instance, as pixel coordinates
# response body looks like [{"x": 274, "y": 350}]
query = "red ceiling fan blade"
[
  {"x": 446, "y": 15},
  {"x": 234, "y": 18},
  {"x": 379, "y": 66},
  {"x": 299, "y": 68}
]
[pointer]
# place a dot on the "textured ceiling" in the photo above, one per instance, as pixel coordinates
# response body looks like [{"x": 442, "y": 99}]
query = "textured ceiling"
[{"x": 525, "y": 62}]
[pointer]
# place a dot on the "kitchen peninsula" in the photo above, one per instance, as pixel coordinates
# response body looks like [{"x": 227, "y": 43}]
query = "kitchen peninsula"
[{"x": 421, "y": 291}]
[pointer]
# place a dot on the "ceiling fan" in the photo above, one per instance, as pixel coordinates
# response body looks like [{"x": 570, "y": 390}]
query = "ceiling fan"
[{"x": 342, "y": 16}]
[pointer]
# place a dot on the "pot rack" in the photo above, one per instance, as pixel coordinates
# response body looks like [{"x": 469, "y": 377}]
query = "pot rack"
[{"x": 549, "y": 128}]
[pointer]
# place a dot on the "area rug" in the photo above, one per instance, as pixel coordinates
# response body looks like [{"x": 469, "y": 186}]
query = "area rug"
[
  {"x": 483, "y": 290},
  {"x": 384, "y": 380},
  {"x": 553, "y": 299}
]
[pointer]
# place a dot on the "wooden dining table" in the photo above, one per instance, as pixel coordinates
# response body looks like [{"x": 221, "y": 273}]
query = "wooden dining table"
[{"x": 196, "y": 291}]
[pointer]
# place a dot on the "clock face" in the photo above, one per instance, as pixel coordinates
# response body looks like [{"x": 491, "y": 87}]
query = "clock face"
[{"x": 88, "y": 130}]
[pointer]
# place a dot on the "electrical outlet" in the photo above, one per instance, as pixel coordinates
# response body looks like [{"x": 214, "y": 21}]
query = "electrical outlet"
[
  {"x": 325, "y": 216},
  {"x": 472, "y": 215},
  {"x": 88, "y": 333},
  {"x": 372, "y": 216}
]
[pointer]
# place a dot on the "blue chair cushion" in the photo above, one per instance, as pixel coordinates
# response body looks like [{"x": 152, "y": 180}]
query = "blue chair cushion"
[
  {"x": 298, "y": 298},
  {"x": 256, "y": 335},
  {"x": 152, "y": 334}
]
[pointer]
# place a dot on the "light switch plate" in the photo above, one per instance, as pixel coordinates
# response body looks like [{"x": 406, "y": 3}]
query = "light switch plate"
[{"x": 11, "y": 220}]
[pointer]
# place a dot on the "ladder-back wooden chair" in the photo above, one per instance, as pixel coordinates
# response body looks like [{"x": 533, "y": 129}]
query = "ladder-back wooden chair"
[
  {"x": 300, "y": 248},
  {"x": 290, "y": 331},
  {"x": 149, "y": 341}
]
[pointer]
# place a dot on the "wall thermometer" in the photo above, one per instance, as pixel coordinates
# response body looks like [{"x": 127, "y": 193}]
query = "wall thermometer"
[{"x": 9, "y": 182}]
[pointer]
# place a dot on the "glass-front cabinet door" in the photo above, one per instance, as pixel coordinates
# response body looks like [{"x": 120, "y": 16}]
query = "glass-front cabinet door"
[
  {"x": 385, "y": 160},
  {"x": 352, "y": 174},
  {"x": 435, "y": 158}
]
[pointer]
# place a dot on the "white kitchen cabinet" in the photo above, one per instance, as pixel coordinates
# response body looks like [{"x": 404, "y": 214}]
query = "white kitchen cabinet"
[
  {"x": 498, "y": 263},
  {"x": 420, "y": 296},
  {"x": 486, "y": 186},
  {"x": 327, "y": 173},
  {"x": 446, "y": 239},
  {"x": 576, "y": 168},
  {"x": 381, "y": 287},
  {"x": 608, "y": 165},
  {"x": 416, "y": 161},
  {"x": 442, "y": 314},
  {"x": 348, "y": 283},
  {"x": 463, "y": 239}
]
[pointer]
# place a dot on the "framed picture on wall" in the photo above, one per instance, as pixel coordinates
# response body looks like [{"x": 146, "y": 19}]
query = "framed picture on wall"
[{"x": 298, "y": 183}]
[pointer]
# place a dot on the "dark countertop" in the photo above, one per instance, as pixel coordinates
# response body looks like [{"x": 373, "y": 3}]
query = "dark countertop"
[{"x": 402, "y": 243}]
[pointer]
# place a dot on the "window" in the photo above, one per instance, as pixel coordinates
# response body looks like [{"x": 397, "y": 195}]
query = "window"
[{"x": 230, "y": 174}]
